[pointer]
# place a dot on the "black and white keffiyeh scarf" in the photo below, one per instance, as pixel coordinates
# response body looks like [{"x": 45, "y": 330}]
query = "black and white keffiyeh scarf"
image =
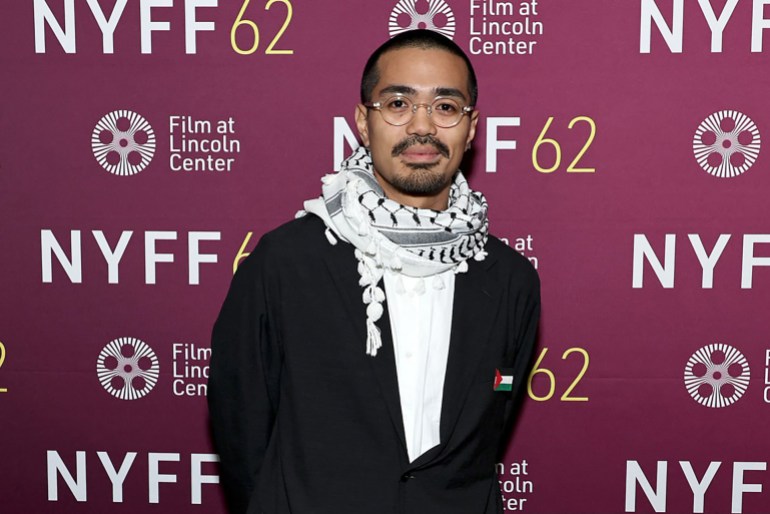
[{"x": 387, "y": 235}]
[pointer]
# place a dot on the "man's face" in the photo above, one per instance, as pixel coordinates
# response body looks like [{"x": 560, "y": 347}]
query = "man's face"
[{"x": 415, "y": 163}]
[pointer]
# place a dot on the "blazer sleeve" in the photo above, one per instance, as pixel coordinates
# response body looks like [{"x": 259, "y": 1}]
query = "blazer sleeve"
[
  {"x": 524, "y": 318},
  {"x": 244, "y": 376}
]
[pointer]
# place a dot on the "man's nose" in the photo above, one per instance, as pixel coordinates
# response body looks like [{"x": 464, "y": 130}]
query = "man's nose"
[{"x": 421, "y": 122}]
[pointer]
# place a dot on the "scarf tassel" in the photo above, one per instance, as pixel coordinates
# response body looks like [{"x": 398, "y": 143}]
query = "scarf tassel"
[
  {"x": 330, "y": 237},
  {"x": 376, "y": 295},
  {"x": 374, "y": 311},
  {"x": 396, "y": 264},
  {"x": 373, "y": 338}
]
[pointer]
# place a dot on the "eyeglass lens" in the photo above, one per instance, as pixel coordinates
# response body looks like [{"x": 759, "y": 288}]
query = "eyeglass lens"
[{"x": 399, "y": 110}]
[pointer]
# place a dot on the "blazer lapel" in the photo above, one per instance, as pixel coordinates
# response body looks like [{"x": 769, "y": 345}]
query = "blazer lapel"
[
  {"x": 475, "y": 301},
  {"x": 384, "y": 367},
  {"x": 342, "y": 264}
]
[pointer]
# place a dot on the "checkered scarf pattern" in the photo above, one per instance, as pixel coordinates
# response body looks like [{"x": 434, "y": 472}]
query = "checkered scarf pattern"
[{"x": 412, "y": 241}]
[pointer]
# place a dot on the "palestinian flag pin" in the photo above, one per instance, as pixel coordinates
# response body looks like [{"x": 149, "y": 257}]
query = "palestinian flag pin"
[{"x": 503, "y": 380}]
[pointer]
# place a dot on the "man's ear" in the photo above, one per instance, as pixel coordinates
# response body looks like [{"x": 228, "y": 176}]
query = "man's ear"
[
  {"x": 362, "y": 113},
  {"x": 472, "y": 130}
]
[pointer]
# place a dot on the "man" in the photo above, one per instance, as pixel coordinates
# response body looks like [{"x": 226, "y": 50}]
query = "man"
[{"x": 357, "y": 355}]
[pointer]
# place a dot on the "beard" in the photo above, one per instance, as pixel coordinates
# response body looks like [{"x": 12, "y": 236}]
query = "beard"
[{"x": 422, "y": 181}]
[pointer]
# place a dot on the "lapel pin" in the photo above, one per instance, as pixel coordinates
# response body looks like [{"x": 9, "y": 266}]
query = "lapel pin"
[{"x": 503, "y": 380}]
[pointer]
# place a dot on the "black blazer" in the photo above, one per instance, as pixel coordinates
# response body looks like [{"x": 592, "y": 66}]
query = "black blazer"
[{"x": 305, "y": 422}]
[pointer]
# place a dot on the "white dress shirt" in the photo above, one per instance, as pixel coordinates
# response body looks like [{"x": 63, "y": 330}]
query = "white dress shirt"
[{"x": 420, "y": 313}]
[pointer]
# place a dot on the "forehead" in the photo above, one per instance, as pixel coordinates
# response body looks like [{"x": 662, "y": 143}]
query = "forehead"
[{"x": 422, "y": 69}]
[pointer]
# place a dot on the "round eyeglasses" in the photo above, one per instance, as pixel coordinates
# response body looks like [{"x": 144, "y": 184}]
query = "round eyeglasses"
[{"x": 399, "y": 110}]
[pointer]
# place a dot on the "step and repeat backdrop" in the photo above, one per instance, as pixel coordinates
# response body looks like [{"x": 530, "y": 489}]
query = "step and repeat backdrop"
[{"x": 146, "y": 145}]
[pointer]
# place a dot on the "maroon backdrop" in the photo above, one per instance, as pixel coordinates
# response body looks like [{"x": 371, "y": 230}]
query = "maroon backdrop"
[{"x": 147, "y": 144}]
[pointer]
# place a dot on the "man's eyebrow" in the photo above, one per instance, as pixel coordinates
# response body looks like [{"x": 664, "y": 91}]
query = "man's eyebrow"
[
  {"x": 449, "y": 91},
  {"x": 398, "y": 89}
]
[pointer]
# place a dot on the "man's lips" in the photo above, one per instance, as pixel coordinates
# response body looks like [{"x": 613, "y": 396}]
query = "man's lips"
[
  {"x": 421, "y": 154},
  {"x": 420, "y": 148}
]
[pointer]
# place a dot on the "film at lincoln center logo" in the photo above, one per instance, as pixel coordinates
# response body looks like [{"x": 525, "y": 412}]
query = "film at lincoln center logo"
[
  {"x": 726, "y": 144},
  {"x": 438, "y": 17},
  {"x": 717, "y": 375},
  {"x": 123, "y": 142},
  {"x": 127, "y": 368}
]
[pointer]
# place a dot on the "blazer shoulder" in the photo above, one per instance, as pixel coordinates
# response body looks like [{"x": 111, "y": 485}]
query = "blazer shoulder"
[
  {"x": 298, "y": 233},
  {"x": 294, "y": 238},
  {"x": 517, "y": 265}
]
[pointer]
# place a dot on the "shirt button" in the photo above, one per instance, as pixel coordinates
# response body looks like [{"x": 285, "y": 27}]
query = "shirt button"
[
  {"x": 408, "y": 355},
  {"x": 406, "y": 477}
]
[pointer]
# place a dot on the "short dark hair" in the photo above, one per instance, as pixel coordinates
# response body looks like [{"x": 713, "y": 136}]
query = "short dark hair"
[{"x": 419, "y": 38}]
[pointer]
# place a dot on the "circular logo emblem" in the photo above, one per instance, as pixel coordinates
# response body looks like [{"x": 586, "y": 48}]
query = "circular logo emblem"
[
  {"x": 127, "y": 368},
  {"x": 717, "y": 375},
  {"x": 123, "y": 142},
  {"x": 439, "y": 17},
  {"x": 726, "y": 144}
]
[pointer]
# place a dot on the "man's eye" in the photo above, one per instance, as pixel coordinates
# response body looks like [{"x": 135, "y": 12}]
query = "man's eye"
[
  {"x": 397, "y": 104},
  {"x": 446, "y": 108}
]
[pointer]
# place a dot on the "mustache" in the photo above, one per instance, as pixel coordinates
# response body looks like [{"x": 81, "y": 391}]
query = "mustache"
[{"x": 420, "y": 140}]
